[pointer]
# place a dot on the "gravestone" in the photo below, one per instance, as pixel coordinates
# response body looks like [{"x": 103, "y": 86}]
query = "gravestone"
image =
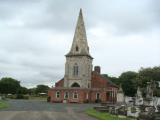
[
  {"x": 148, "y": 101},
  {"x": 147, "y": 114},
  {"x": 133, "y": 111},
  {"x": 139, "y": 98},
  {"x": 120, "y": 96},
  {"x": 122, "y": 110}
]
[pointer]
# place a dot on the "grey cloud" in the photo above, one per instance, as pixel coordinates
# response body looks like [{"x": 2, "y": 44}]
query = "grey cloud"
[
  {"x": 42, "y": 14},
  {"x": 36, "y": 34},
  {"x": 126, "y": 16}
]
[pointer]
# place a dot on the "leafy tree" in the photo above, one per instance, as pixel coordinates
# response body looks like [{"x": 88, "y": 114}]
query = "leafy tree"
[
  {"x": 9, "y": 85},
  {"x": 41, "y": 89},
  {"x": 32, "y": 91},
  {"x": 129, "y": 82},
  {"x": 22, "y": 90},
  {"x": 113, "y": 79},
  {"x": 147, "y": 75}
]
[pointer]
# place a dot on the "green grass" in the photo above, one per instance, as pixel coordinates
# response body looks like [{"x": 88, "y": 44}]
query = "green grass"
[
  {"x": 3, "y": 104},
  {"x": 103, "y": 116}
]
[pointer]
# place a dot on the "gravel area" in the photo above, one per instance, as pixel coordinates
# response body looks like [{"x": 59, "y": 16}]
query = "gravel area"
[
  {"x": 32, "y": 105},
  {"x": 41, "y": 110}
]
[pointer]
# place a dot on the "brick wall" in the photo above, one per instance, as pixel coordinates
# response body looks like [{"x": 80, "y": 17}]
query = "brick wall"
[
  {"x": 60, "y": 83},
  {"x": 98, "y": 81}
]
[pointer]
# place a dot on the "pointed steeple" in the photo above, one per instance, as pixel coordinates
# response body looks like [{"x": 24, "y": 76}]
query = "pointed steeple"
[{"x": 80, "y": 44}]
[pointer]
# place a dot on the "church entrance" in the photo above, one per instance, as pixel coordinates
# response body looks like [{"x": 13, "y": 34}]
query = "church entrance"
[
  {"x": 75, "y": 85},
  {"x": 107, "y": 96}
]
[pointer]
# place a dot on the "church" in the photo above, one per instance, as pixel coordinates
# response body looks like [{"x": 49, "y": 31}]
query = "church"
[{"x": 82, "y": 84}]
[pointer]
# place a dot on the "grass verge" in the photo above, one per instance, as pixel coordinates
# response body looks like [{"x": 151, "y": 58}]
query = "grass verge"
[
  {"x": 3, "y": 104},
  {"x": 103, "y": 116}
]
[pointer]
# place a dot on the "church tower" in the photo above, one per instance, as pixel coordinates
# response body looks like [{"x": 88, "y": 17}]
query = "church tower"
[{"x": 78, "y": 66}]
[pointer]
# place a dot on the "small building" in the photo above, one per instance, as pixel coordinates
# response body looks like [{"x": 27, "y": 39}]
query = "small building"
[{"x": 80, "y": 83}]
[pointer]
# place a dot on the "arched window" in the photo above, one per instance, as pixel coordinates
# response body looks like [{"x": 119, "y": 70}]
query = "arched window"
[
  {"x": 77, "y": 49},
  {"x": 75, "y": 85},
  {"x": 75, "y": 70},
  {"x": 88, "y": 85},
  {"x": 57, "y": 94},
  {"x": 66, "y": 95},
  {"x": 97, "y": 96}
]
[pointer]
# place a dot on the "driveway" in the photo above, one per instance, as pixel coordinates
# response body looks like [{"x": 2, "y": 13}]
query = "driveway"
[{"x": 41, "y": 110}]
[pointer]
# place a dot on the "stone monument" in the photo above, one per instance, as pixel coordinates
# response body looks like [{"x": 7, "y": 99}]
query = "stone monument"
[
  {"x": 120, "y": 96},
  {"x": 148, "y": 101},
  {"x": 139, "y": 98}
]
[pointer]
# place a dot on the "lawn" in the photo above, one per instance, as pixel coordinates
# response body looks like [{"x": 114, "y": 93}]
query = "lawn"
[
  {"x": 103, "y": 116},
  {"x": 3, "y": 104}
]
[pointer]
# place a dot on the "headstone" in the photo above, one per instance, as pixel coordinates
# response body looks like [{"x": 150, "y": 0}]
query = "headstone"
[
  {"x": 139, "y": 98},
  {"x": 133, "y": 111},
  {"x": 147, "y": 114},
  {"x": 129, "y": 100},
  {"x": 122, "y": 110},
  {"x": 149, "y": 91},
  {"x": 148, "y": 101},
  {"x": 120, "y": 96},
  {"x": 159, "y": 84}
]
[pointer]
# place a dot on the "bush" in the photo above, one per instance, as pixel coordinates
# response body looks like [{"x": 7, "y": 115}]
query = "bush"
[
  {"x": 97, "y": 101},
  {"x": 11, "y": 96},
  {"x": 26, "y": 97},
  {"x": 48, "y": 99},
  {"x": 21, "y": 96},
  {"x": 86, "y": 101}
]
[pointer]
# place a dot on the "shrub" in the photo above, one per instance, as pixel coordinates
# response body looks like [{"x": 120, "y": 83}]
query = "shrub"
[
  {"x": 97, "y": 101},
  {"x": 86, "y": 101},
  {"x": 48, "y": 99},
  {"x": 11, "y": 96},
  {"x": 21, "y": 96}
]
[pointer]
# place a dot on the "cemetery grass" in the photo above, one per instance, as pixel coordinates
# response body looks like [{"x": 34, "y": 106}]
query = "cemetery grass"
[
  {"x": 3, "y": 104},
  {"x": 103, "y": 116}
]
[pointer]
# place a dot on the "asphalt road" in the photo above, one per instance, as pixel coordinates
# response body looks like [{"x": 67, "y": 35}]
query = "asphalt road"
[{"x": 41, "y": 110}]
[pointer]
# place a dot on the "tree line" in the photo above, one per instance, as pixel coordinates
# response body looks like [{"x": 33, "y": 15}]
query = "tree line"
[
  {"x": 12, "y": 86},
  {"x": 131, "y": 80}
]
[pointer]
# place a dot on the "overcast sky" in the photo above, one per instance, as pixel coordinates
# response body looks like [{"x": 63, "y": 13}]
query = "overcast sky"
[{"x": 123, "y": 35}]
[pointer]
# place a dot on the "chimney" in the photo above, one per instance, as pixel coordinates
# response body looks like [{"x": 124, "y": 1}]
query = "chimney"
[{"x": 97, "y": 69}]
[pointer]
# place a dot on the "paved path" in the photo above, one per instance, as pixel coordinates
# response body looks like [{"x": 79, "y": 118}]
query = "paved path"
[
  {"x": 42, "y": 115},
  {"x": 40, "y": 110}
]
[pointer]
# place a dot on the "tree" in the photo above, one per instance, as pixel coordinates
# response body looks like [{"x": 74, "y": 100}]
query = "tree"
[
  {"x": 147, "y": 75},
  {"x": 22, "y": 90},
  {"x": 113, "y": 79},
  {"x": 129, "y": 82},
  {"x": 42, "y": 89},
  {"x": 9, "y": 85},
  {"x": 32, "y": 91}
]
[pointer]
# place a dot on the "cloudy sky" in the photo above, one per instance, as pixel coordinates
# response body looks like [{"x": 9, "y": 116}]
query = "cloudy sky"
[{"x": 36, "y": 34}]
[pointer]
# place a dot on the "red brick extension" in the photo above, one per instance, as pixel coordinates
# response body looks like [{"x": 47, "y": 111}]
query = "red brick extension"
[{"x": 99, "y": 85}]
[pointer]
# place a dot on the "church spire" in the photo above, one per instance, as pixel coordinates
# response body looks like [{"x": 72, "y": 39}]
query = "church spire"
[{"x": 80, "y": 44}]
